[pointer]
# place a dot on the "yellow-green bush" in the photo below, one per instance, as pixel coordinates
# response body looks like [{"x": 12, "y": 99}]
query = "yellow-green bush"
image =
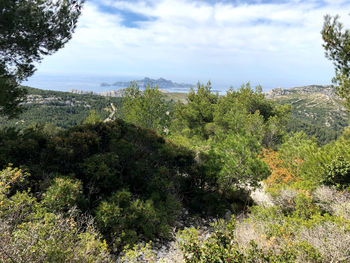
[{"x": 30, "y": 233}]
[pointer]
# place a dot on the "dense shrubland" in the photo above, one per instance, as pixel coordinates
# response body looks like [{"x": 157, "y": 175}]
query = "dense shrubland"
[
  {"x": 135, "y": 182},
  {"x": 60, "y": 109},
  {"x": 308, "y": 221},
  {"x": 130, "y": 178},
  {"x": 91, "y": 192},
  {"x": 103, "y": 186}
]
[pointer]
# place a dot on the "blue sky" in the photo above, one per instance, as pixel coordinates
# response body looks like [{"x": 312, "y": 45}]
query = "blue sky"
[{"x": 268, "y": 42}]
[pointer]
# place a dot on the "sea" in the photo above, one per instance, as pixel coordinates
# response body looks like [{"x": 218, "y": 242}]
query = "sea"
[{"x": 93, "y": 83}]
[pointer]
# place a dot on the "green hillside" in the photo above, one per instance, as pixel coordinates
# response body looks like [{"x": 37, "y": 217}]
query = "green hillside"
[
  {"x": 316, "y": 110},
  {"x": 66, "y": 109},
  {"x": 62, "y": 109}
]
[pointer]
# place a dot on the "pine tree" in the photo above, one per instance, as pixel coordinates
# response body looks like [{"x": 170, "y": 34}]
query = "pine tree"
[{"x": 29, "y": 30}]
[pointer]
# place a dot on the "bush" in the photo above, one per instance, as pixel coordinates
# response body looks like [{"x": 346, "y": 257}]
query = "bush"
[
  {"x": 286, "y": 199},
  {"x": 337, "y": 173},
  {"x": 29, "y": 233},
  {"x": 63, "y": 194},
  {"x": 221, "y": 246},
  {"x": 332, "y": 241},
  {"x": 333, "y": 202},
  {"x": 138, "y": 253},
  {"x": 124, "y": 219},
  {"x": 97, "y": 160}
]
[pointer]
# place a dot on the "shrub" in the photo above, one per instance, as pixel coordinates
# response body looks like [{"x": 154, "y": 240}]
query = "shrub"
[
  {"x": 138, "y": 253},
  {"x": 51, "y": 238},
  {"x": 332, "y": 241},
  {"x": 104, "y": 158},
  {"x": 221, "y": 246},
  {"x": 101, "y": 171},
  {"x": 286, "y": 199},
  {"x": 281, "y": 174},
  {"x": 63, "y": 194},
  {"x": 9, "y": 177},
  {"x": 126, "y": 220},
  {"x": 29, "y": 233},
  {"x": 333, "y": 202},
  {"x": 337, "y": 173}
]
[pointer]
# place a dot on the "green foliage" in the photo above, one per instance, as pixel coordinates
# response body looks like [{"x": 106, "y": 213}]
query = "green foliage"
[
  {"x": 303, "y": 232},
  {"x": 234, "y": 126},
  {"x": 336, "y": 43},
  {"x": 198, "y": 111},
  {"x": 221, "y": 246},
  {"x": 65, "y": 110},
  {"x": 103, "y": 171},
  {"x": 145, "y": 108},
  {"x": 343, "y": 88},
  {"x": 124, "y": 219},
  {"x": 51, "y": 238},
  {"x": 316, "y": 166},
  {"x": 47, "y": 26},
  {"x": 11, "y": 95},
  {"x": 241, "y": 165},
  {"x": 29, "y": 232},
  {"x": 323, "y": 134},
  {"x": 246, "y": 99},
  {"x": 10, "y": 176},
  {"x": 338, "y": 173},
  {"x": 296, "y": 149},
  {"x": 138, "y": 253},
  {"x": 337, "y": 47},
  {"x": 63, "y": 194},
  {"x": 93, "y": 118},
  {"x": 247, "y": 111},
  {"x": 29, "y": 30},
  {"x": 96, "y": 161}
]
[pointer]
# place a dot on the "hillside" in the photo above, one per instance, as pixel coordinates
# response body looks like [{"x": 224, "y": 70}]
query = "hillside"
[
  {"x": 316, "y": 109},
  {"x": 66, "y": 109},
  {"x": 119, "y": 192},
  {"x": 118, "y": 93},
  {"x": 62, "y": 109}
]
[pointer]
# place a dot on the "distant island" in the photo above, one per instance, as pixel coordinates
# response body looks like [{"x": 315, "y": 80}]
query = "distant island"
[{"x": 161, "y": 83}]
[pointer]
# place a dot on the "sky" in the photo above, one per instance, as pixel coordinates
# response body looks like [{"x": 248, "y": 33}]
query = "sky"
[{"x": 267, "y": 42}]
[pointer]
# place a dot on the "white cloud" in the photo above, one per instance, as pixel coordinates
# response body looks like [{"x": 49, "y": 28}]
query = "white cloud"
[{"x": 217, "y": 39}]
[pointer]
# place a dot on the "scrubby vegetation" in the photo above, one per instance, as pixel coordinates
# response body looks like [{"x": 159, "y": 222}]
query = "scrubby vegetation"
[
  {"x": 106, "y": 187},
  {"x": 309, "y": 218},
  {"x": 133, "y": 181},
  {"x": 102, "y": 191},
  {"x": 60, "y": 109}
]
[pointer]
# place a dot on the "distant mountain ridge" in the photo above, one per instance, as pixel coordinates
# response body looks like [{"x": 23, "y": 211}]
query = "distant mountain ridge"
[
  {"x": 161, "y": 83},
  {"x": 326, "y": 90}
]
